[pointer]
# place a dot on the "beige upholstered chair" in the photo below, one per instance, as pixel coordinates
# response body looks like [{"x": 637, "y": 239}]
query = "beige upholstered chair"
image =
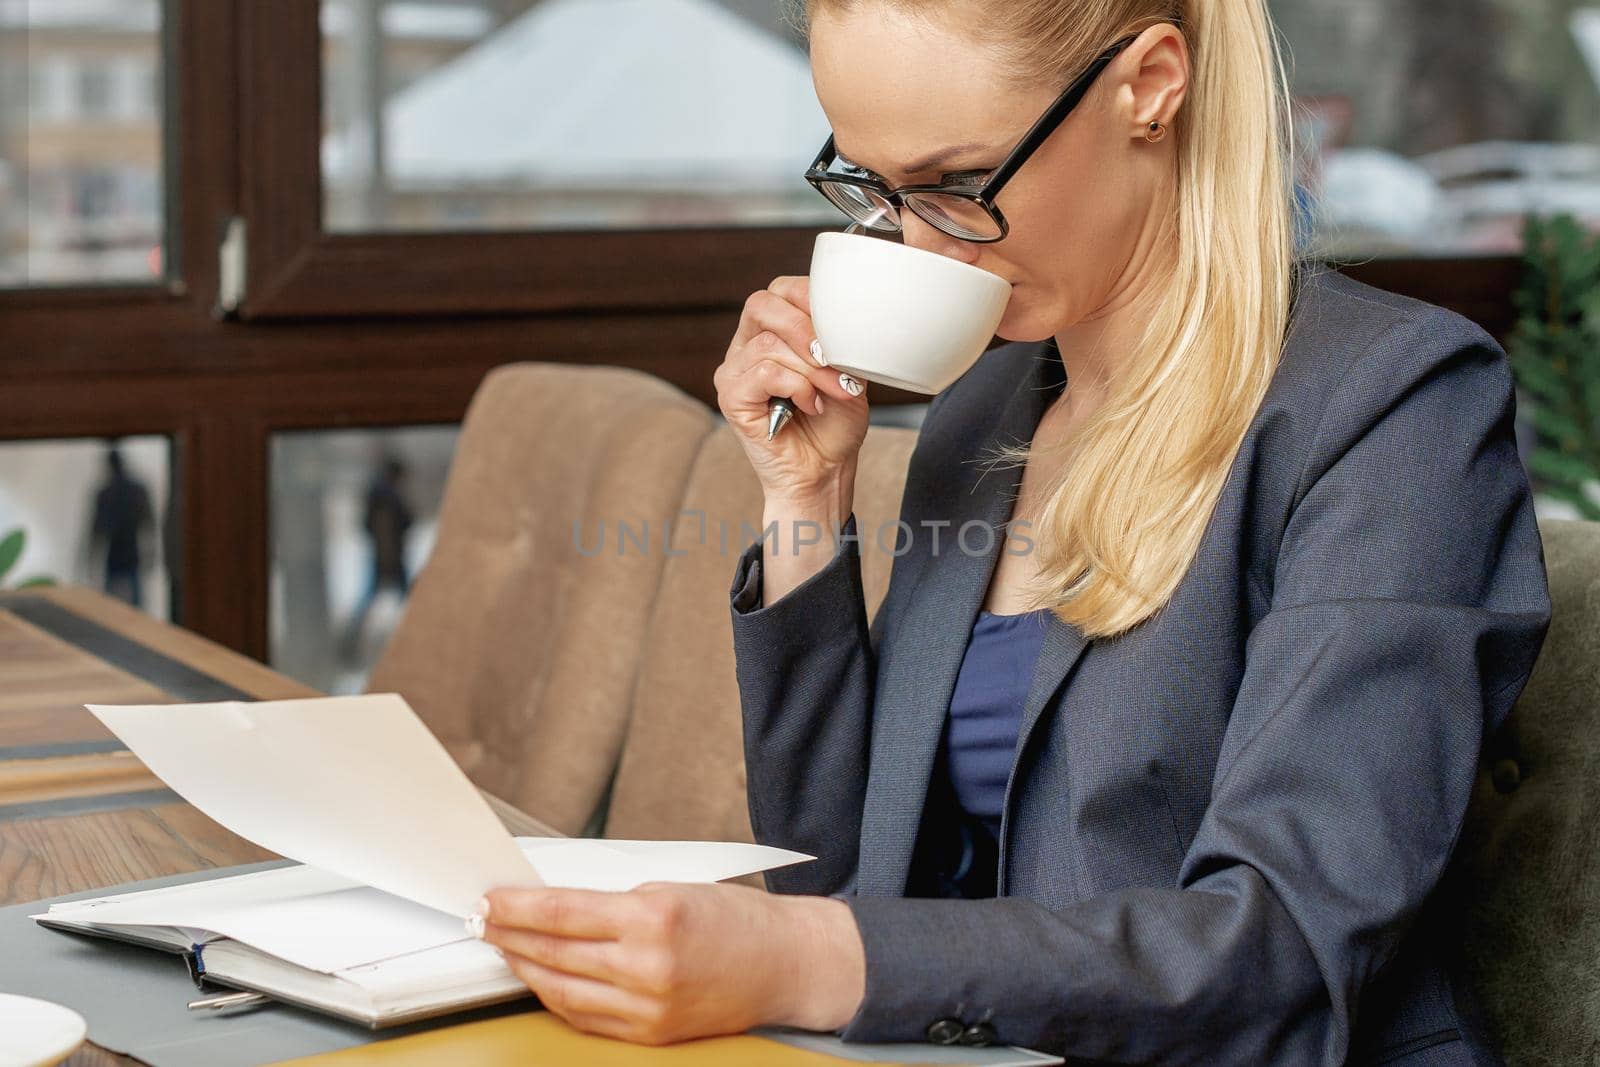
[{"x": 518, "y": 649}]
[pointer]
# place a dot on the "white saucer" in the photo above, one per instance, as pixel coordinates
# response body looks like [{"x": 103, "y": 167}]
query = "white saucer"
[{"x": 36, "y": 1033}]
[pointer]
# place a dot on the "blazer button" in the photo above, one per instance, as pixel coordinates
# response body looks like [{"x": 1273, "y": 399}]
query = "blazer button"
[
  {"x": 1506, "y": 776},
  {"x": 978, "y": 1034},
  {"x": 945, "y": 1031}
]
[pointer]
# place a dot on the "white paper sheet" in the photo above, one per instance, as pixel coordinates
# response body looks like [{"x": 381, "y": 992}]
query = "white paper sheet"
[
  {"x": 570, "y": 861},
  {"x": 355, "y": 786}
]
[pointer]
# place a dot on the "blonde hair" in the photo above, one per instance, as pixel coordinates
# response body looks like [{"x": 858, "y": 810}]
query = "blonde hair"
[{"x": 1121, "y": 523}]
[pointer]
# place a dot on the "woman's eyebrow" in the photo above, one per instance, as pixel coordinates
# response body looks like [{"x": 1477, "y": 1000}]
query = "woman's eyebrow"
[
  {"x": 941, "y": 158},
  {"x": 944, "y": 157}
]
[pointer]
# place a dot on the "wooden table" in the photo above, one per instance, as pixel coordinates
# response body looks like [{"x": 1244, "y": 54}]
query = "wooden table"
[{"x": 78, "y": 812}]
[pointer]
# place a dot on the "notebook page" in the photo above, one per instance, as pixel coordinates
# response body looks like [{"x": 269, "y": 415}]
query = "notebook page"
[{"x": 298, "y": 914}]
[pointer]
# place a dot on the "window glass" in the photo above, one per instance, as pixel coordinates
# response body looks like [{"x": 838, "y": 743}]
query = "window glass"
[
  {"x": 1434, "y": 130},
  {"x": 515, "y": 114},
  {"x": 354, "y": 514},
  {"x": 81, "y": 156},
  {"x": 94, "y": 90},
  {"x": 95, "y": 513},
  {"x": 1422, "y": 133}
]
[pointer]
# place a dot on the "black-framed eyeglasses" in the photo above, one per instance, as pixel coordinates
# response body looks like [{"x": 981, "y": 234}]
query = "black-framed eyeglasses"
[{"x": 967, "y": 212}]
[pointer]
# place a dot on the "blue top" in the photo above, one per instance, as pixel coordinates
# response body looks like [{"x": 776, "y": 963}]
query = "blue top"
[{"x": 980, "y": 734}]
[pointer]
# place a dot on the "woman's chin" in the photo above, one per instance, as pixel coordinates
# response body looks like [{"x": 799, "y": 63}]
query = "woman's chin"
[{"x": 1018, "y": 325}]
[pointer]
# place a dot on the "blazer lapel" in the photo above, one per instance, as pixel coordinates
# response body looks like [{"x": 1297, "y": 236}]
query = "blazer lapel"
[
  {"x": 1064, "y": 646},
  {"x": 914, "y": 693}
]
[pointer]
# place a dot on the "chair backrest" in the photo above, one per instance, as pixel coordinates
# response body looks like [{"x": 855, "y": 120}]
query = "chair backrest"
[
  {"x": 1525, "y": 884},
  {"x": 682, "y": 769},
  {"x": 522, "y": 635}
]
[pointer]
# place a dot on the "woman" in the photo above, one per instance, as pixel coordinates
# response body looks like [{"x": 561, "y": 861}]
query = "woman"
[{"x": 1169, "y": 771}]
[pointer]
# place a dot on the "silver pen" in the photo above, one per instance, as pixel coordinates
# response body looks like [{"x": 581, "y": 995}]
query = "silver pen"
[
  {"x": 229, "y": 1001},
  {"x": 780, "y": 409}
]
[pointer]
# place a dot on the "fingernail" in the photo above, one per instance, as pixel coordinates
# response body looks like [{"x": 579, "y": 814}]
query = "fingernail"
[
  {"x": 816, "y": 352},
  {"x": 819, "y": 403},
  {"x": 849, "y": 385},
  {"x": 481, "y": 907},
  {"x": 475, "y": 925}
]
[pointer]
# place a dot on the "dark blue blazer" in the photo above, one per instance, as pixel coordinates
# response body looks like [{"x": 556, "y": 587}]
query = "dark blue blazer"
[{"x": 1222, "y": 828}]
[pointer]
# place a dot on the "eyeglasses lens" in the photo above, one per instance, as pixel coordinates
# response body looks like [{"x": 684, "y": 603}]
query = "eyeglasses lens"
[
  {"x": 863, "y": 205},
  {"x": 955, "y": 215}
]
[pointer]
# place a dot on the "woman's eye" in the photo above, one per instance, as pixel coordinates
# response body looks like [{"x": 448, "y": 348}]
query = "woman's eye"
[{"x": 974, "y": 177}]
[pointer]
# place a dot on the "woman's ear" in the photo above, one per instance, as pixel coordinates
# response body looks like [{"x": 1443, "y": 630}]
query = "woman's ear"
[{"x": 1155, "y": 91}]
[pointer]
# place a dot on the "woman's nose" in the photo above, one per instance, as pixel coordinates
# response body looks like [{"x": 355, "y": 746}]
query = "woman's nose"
[{"x": 919, "y": 234}]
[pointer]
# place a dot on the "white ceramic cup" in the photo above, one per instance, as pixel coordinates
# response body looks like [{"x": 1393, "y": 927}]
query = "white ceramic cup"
[{"x": 901, "y": 316}]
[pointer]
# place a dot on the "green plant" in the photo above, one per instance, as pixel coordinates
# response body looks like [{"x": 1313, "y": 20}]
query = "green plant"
[
  {"x": 1555, "y": 355},
  {"x": 11, "y": 546}
]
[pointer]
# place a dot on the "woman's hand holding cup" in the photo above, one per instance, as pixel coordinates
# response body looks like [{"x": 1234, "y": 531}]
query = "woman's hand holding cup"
[{"x": 775, "y": 353}]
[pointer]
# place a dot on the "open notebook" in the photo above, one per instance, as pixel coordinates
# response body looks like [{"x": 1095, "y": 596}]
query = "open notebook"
[
  {"x": 332, "y": 944},
  {"x": 395, "y": 847}
]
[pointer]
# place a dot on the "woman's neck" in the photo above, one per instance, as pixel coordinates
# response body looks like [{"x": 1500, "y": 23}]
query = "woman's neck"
[{"x": 1096, "y": 348}]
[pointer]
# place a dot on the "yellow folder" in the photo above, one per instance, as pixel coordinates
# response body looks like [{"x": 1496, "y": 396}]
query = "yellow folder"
[{"x": 537, "y": 1039}]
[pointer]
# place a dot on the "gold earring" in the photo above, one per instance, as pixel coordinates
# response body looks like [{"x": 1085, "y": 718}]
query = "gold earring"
[{"x": 1155, "y": 133}]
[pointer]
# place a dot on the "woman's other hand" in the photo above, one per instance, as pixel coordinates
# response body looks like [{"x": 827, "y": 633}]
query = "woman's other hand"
[{"x": 669, "y": 962}]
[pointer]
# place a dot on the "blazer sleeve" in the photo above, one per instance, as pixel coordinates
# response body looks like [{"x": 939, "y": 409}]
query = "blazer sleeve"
[
  {"x": 1408, "y": 605},
  {"x": 806, "y": 671}
]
